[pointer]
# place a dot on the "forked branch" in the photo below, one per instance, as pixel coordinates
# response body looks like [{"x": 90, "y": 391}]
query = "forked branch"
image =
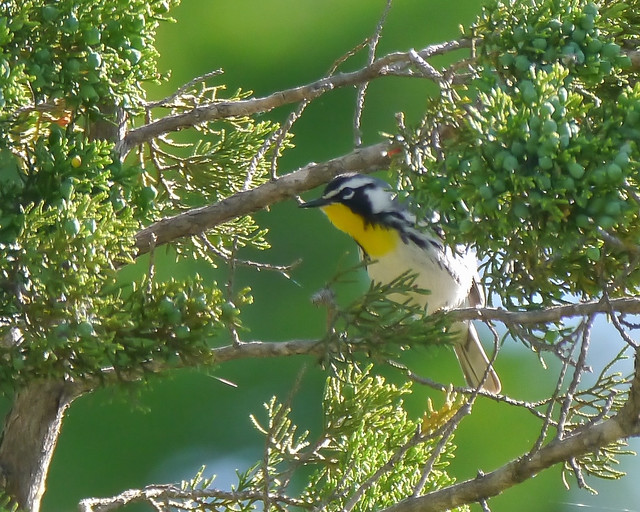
[
  {"x": 398, "y": 63},
  {"x": 623, "y": 425}
]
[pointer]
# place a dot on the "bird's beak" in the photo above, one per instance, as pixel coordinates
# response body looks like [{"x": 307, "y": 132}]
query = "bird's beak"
[{"x": 315, "y": 203}]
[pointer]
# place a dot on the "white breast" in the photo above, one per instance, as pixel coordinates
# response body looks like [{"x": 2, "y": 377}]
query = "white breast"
[{"x": 433, "y": 273}]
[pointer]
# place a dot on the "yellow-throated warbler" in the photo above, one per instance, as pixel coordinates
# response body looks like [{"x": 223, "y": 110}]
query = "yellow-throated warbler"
[{"x": 365, "y": 208}]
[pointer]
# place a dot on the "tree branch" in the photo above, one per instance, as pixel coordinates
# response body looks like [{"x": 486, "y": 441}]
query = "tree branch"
[
  {"x": 625, "y": 424},
  {"x": 629, "y": 305},
  {"x": 573, "y": 445},
  {"x": 196, "y": 221},
  {"x": 170, "y": 493},
  {"x": 262, "y": 349},
  {"x": 29, "y": 439},
  {"x": 230, "y": 352},
  {"x": 391, "y": 64},
  {"x": 319, "y": 347}
]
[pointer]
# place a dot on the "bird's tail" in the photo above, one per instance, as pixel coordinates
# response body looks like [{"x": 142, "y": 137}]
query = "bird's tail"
[{"x": 474, "y": 361}]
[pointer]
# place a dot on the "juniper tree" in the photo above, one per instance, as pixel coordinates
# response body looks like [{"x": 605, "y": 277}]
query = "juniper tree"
[{"x": 529, "y": 152}]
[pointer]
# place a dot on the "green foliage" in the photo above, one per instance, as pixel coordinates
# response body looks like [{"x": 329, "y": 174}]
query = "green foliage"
[
  {"x": 369, "y": 448},
  {"x": 71, "y": 204},
  {"x": 539, "y": 34},
  {"x": 61, "y": 168},
  {"x": 80, "y": 52},
  {"x": 71, "y": 70},
  {"x": 61, "y": 299},
  {"x": 228, "y": 156},
  {"x": 68, "y": 65},
  {"x": 368, "y": 455},
  {"x": 541, "y": 158},
  {"x": 374, "y": 451},
  {"x": 7, "y": 503},
  {"x": 379, "y": 324}
]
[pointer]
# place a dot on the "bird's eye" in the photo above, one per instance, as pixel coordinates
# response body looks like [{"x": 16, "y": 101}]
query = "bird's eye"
[{"x": 347, "y": 193}]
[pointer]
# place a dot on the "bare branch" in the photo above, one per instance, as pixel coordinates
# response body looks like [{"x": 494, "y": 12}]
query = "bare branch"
[
  {"x": 264, "y": 349},
  {"x": 183, "y": 89},
  {"x": 577, "y": 374},
  {"x": 447, "y": 434},
  {"x": 549, "y": 315},
  {"x": 579, "y": 442},
  {"x": 548, "y": 415},
  {"x": 530, "y": 406},
  {"x": 626, "y": 423},
  {"x": 427, "y": 70},
  {"x": 383, "y": 469},
  {"x": 391, "y": 64},
  {"x": 319, "y": 347},
  {"x": 362, "y": 88},
  {"x": 194, "y": 222},
  {"x": 226, "y": 255},
  {"x": 164, "y": 493}
]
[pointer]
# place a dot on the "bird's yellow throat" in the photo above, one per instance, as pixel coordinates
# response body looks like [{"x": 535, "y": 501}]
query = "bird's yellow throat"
[{"x": 376, "y": 240}]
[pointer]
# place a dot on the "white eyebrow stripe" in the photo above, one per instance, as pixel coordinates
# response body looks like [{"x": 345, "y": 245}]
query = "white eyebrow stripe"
[
  {"x": 352, "y": 182},
  {"x": 332, "y": 193}
]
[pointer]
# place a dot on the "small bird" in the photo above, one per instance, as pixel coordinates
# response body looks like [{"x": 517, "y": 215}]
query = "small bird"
[{"x": 393, "y": 242}]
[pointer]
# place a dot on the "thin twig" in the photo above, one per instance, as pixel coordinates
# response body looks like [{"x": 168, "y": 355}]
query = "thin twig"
[
  {"x": 152, "y": 264},
  {"x": 362, "y": 88},
  {"x": 388, "y": 466},
  {"x": 426, "y": 69},
  {"x": 391, "y": 64},
  {"x": 284, "y": 270},
  {"x": 530, "y": 406},
  {"x": 449, "y": 429},
  {"x": 231, "y": 264},
  {"x": 617, "y": 323},
  {"x": 548, "y": 419},
  {"x": 484, "y": 486},
  {"x": 279, "y": 136},
  {"x": 577, "y": 374},
  {"x": 153, "y": 493},
  {"x": 275, "y": 425},
  {"x": 577, "y": 472},
  {"x": 180, "y": 91},
  {"x": 540, "y": 346},
  {"x": 484, "y": 505},
  {"x": 602, "y": 413},
  {"x": 283, "y": 131}
]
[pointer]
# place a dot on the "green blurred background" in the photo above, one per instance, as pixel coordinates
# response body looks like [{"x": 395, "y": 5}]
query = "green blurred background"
[{"x": 114, "y": 440}]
